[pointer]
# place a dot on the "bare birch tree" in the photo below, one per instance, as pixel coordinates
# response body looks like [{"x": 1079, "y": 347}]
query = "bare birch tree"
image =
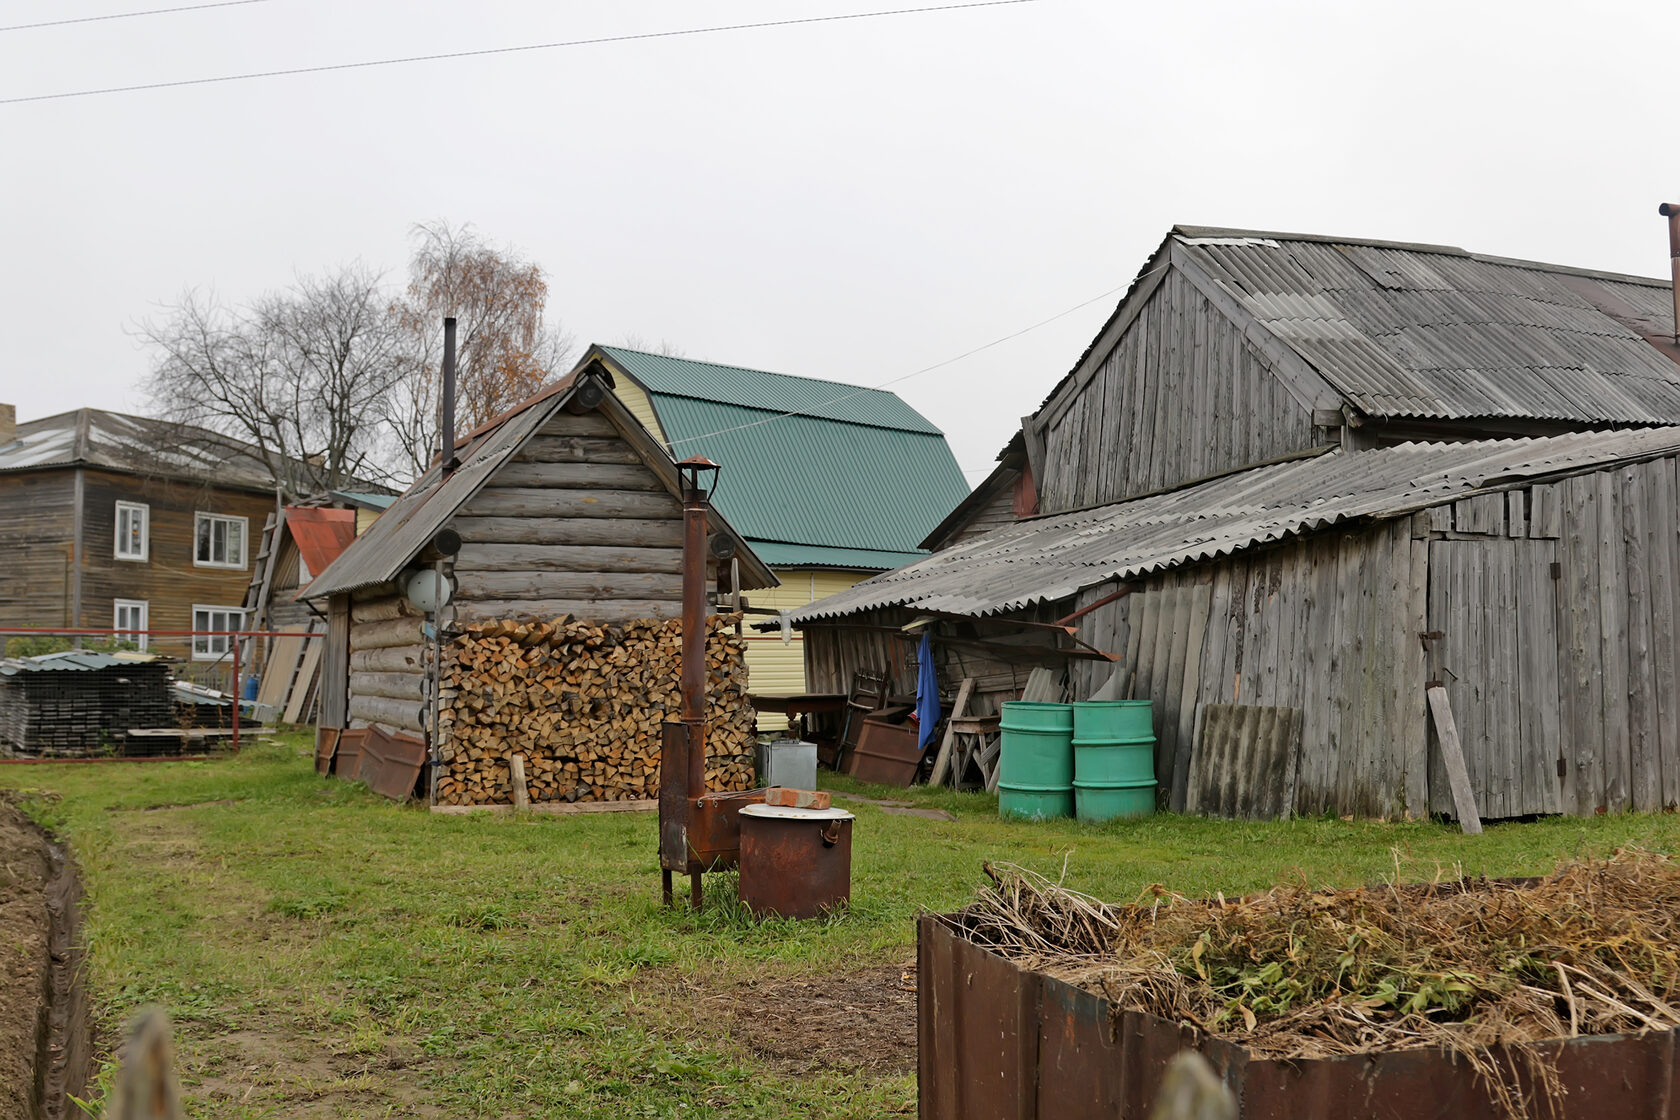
[
  {"x": 505, "y": 351},
  {"x": 305, "y": 374}
]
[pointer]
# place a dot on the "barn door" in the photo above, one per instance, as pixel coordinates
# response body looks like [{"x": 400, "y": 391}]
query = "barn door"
[{"x": 1493, "y": 643}]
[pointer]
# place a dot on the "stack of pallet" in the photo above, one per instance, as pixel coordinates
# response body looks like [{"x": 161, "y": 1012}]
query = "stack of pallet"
[
  {"x": 583, "y": 703},
  {"x": 71, "y": 705}
]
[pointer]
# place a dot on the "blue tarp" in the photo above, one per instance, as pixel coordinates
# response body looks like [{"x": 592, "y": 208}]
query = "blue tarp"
[{"x": 927, "y": 691}]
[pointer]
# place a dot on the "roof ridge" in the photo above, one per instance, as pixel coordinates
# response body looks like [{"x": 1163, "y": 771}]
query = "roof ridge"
[{"x": 749, "y": 369}]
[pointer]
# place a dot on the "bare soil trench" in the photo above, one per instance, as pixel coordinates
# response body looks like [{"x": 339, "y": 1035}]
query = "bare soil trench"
[{"x": 45, "y": 1029}]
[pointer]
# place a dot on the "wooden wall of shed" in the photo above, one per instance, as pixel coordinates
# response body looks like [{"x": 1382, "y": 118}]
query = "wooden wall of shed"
[
  {"x": 574, "y": 524},
  {"x": 389, "y": 661},
  {"x": 37, "y": 535},
  {"x": 994, "y": 507},
  {"x": 1180, "y": 397},
  {"x": 1328, "y": 625}
]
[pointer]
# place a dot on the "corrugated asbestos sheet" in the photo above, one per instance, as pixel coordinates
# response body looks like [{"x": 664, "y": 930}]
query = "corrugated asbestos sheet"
[
  {"x": 137, "y": 444},
  {"x": 1047, "y": 559},
  {"x": 1432, "y": 332}
]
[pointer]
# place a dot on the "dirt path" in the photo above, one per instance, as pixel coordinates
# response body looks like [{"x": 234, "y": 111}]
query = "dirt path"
[{"x": 44, "y": 1043}]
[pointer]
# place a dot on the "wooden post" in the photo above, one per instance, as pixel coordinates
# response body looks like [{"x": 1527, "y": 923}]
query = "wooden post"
[
  {"x": 942, "y": 761},
  {"x": 521, "y": 796},
  {"x": 1452, "y": 755}
]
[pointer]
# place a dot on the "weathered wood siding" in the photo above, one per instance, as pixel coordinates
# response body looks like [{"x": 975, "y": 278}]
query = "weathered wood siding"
[
  {"x": 574, "y": 524},
  {"x": 1328, "y": 625},
  {"x": 1182, "y": 395},
  {"x": 167, "y": 580},
  {"x": 37, "y": 534}
]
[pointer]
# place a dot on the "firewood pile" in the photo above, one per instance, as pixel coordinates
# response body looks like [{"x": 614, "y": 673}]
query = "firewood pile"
[{"x": 583, "y": 703}]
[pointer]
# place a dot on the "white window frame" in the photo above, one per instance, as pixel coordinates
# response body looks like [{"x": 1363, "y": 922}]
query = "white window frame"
[
  {"x": 214, "y": 649},
  {"x": 145, "y": 513},
  {"x": 244, "y": 541},
  {"x": 139, "y": 631}
]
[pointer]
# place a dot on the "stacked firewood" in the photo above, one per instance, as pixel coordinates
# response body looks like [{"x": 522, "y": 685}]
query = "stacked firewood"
[{"x": 583, "y": 703}]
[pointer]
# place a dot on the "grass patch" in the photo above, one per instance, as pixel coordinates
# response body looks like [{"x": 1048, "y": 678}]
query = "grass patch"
[{"x": 325, "y": 952}]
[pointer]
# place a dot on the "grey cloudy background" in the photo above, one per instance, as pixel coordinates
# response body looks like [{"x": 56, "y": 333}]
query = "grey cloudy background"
[{"x": 853, "y": 201}]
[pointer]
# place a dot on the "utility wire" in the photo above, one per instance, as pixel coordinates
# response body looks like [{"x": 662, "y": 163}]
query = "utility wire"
[
  {"x": 508, "y": 50},
  {"x": 925, "y": 369},
  {"x": 130, "y": 15}
]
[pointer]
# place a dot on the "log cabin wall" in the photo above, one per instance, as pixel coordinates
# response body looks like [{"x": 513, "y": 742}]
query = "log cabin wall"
[
  {"x": 1180, "y": 396},
  {"x": 574, "y": 524},
  {"x": 37, "y": 537},
  {"x": 389, "y": 662}
]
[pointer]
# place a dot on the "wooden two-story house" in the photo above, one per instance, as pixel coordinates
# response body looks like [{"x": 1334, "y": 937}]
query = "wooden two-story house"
[{"x": 117, "y": 522}]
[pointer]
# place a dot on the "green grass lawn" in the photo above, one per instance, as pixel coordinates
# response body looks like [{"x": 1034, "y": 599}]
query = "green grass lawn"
[{"x": 324, "y": 952}]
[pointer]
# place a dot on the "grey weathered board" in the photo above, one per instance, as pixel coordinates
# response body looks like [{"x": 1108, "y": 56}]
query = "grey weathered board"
[{"x": 1243, "y": 762}]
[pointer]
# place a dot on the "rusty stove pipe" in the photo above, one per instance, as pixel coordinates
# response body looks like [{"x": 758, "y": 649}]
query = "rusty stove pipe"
[
  {"x": 694, "y": 630},
  {"x": 1671, "y": 211},
  {"x": 447, "y": 459}
]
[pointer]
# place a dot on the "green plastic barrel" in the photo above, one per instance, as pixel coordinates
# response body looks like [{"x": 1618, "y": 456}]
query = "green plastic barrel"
[
  {"x": 1113, "y": 759},
  {"x": 1035, "y": 763}
]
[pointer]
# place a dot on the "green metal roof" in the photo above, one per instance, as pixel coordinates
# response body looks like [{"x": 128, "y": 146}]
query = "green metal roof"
[
  {"x": 383, "y": 501},
  {"x": 854, "y": 483},
  {"x": 774, "y": 392}
]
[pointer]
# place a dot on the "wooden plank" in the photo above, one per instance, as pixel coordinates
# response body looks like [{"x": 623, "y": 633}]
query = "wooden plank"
[
  {"x": 1664, "y": 495},
  {"x": 527, "y": 501},
  {"x": 1582, "y": 702},
  {"x": 592, "y": 423},
  {"x": 1613, "y": 622},
  {"x": 567, "y": 585},
  {"x": 616, "y": 532},
  {"x": 576, "y": 558},
  {"x": 1464, "y": 802},
  {"x": 1545, "y": 512},
  {"x": 1516, "y": 513},
  {"x": 1190, "y": 687},
  {"x": 1412, "y": 728},
  {"x": 1482, "y": 514},
  {"x": 1504, "y": 724},
  {"x": 1318, "y": 734},
  {"x": 282, "y": 666},
  {"x": 576, "y": 449},
  {"x": 1352, "y": 627},
  {"x": 305, "y": 682},
  {"x": 1440, "y": 518},
  {"x": 1538, "y": 695},
  {"x": 1167, "y": 707},
  {"x": 1444, "y": 590},
  {"x": 1148, "y": 602},
  {"x": 554, "y": 808},
  {"x": 942, "y": 761},
  {"x": 1644, "y": 781}
]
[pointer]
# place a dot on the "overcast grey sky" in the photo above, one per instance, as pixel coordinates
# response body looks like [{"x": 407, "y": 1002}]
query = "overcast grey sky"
[{"x": 852, "y": 200}]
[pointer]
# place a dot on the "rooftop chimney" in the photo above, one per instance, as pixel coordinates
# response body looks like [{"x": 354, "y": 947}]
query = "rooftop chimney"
[
  {"x": 1671, "y": 211},
  {"x": 8, "y": 423},
  {"x": 448, "y": 457}
]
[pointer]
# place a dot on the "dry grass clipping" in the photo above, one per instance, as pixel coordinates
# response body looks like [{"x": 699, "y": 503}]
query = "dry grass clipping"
[{"x": 1593, "y": 948}]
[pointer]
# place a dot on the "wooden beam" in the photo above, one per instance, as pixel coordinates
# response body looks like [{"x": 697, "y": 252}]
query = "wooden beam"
[
  {"x": 942, "y": 761},
  {"x": 518, "y": 501},
  {"x": 516, "y": 772},
  {"x": 578, "y": 558},
  {"x": 632, "y": 532},
  {"x": 1452, "y": 755}
]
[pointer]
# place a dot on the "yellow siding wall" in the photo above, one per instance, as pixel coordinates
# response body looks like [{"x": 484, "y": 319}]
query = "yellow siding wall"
[
  {"x": 774, "y": 667},
  {"x": 630, "y": 395},
  {"x": 364, "y": 518}
]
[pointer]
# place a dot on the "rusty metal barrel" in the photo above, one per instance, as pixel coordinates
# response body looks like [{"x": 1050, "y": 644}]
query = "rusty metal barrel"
[{"x": 795, "y": 863}]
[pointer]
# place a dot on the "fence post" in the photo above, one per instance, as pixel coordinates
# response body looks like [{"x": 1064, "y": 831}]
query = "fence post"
[{"x": 235, "y": 695}]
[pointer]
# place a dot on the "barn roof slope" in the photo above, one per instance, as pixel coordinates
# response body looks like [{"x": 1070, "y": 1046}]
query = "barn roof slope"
[
  {"x": 1050, "y": 558},
  {"x": 399, "y": 534},
  {"x": 1435, "y": 332},
  {"x": 819, "y": 473}
]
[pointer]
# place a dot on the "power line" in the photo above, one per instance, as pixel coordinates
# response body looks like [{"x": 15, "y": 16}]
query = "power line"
[
  {"x": 488, "y": 51},
  {"x": 925, "y": 369},
  {"x": 130, "y": 15}
]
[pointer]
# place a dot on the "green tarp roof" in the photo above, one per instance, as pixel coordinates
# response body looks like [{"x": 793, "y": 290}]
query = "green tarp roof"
[{"x": 852, "y": 478}]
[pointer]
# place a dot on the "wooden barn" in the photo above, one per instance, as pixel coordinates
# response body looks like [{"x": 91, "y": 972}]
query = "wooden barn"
[
  {"x": 565, "y": 508},
  {"x": 1294, "y": 480}
]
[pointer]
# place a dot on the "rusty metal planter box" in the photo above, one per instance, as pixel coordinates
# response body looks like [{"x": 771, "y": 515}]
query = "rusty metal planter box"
[{"x": 998, "y": 1041}]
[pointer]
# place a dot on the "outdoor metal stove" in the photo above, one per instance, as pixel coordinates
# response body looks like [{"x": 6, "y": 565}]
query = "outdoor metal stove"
[{"x": 698, "y": 831}]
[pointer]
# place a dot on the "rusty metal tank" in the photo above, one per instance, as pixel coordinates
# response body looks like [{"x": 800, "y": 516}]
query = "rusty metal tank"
[{"x": 795, "y": 863}]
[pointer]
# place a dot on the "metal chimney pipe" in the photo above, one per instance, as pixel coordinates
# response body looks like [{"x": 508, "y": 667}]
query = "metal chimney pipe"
[
  {"x": 694, "y": 630},
  {"x": 448, "y": 456},
  {"x": 1671, "y": 211}
]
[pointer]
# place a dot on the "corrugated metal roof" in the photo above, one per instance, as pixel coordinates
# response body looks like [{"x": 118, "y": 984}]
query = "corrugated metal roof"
[
  {"x": 69, "y": 661},
  {"x": 1434, "y": 332},
  {"x": 767, "y": 392},
  {"x": 321, "y": 534},
  {"x": 378, "y": 501},
  {"x": 398, "y": 535},
  {"x": 137, "y": 444},
  {"x": 820, "y": 483},
  {"x": 1046, "y": 559}
]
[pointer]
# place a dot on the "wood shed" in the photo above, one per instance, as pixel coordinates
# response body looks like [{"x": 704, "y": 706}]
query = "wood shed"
[
  {"x": 565, "y": 509},
  {"x": 1286, "y": 620}
]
